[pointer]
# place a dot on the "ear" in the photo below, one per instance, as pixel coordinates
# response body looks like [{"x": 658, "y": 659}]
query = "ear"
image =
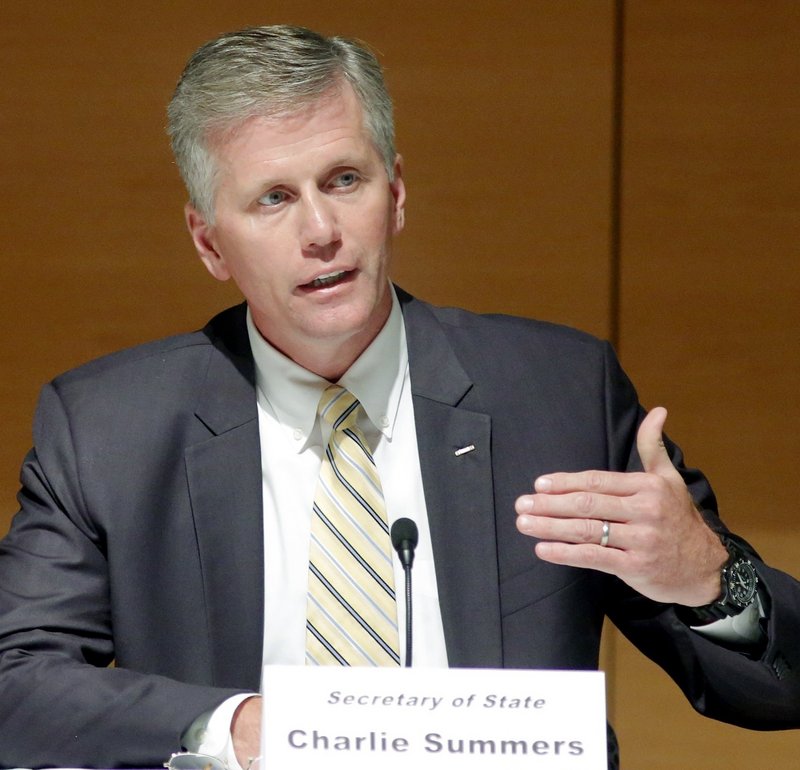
[
  {"x": 398, "y": 190},
  {"x": 203, "y": 236}
]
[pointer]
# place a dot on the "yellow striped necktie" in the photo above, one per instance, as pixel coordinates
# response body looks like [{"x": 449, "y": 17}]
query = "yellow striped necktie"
[{"x": 352, "y": 612}]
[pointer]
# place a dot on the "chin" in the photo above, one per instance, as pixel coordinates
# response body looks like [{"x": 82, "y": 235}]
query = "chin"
[
  {"x": 351, "y": 317},
  {"x": 339, "y": 330}
]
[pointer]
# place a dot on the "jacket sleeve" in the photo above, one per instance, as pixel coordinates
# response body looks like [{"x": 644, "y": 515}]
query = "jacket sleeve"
[
  {"x": 757, "y": 689},
  {"x": 62, "y": 699}
]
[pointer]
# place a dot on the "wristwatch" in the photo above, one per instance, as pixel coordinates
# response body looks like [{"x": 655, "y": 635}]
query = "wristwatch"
[{"x": 739, "y": 587}]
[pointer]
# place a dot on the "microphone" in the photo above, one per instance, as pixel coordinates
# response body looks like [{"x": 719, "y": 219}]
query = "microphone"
[
  {"x": 404, "y": 539},
  {"x": 405, "y": 536}
]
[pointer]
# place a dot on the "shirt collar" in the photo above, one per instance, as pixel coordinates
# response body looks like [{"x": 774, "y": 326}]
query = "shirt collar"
[{"x": 376, "y": 378}]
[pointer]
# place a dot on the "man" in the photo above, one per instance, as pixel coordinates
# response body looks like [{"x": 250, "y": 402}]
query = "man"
[{"x": 166, "y": 510}]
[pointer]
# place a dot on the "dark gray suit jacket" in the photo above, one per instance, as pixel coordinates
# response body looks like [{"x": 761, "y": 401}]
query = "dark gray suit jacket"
[{"x": 140, "y": 530}]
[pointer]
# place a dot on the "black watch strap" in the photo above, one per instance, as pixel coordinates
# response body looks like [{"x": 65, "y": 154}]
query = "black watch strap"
[{"x": 739, "y": 584}]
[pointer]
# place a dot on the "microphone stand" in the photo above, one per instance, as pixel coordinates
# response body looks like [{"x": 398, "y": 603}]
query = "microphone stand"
[{"x": 409, "y": 614}]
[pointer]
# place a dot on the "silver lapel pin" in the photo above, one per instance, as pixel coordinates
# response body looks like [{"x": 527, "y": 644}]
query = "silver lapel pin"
[{"x": 464, "y": 450}]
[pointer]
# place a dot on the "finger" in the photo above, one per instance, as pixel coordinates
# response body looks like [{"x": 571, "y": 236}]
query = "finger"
[
  {"x": 576, "y": 505},
  {"x": 650, "y": 444},
  {"x": 576, "y": 531},
  {"x": 595, "y": 482},
  {"x": 610, "y": 560}
]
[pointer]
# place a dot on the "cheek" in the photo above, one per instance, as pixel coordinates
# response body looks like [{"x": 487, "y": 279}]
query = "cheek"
[
  {"x": 377, "y": 230},
  {"x": 247, "y": 255}
]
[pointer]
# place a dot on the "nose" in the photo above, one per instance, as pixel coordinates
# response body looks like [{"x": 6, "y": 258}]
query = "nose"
[{"x": 319, "y": 227}]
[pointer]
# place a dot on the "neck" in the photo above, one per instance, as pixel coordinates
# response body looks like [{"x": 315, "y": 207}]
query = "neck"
[
  {"x": 328, "y": 358},
  {"x": 321, "y": 350}
]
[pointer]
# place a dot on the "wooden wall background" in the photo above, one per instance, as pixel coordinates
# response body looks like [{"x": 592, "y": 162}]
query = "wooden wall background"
[{"x": 630, "y": 168}]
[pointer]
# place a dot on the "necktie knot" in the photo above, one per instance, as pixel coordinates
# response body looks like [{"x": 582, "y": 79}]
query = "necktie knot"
[{"x": 338, "y": 407}]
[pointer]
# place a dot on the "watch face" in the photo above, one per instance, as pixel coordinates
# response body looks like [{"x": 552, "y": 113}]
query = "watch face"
[{"x": 742, "y": 582}]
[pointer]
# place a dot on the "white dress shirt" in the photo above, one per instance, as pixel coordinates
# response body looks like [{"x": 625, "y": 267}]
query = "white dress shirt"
[
  {"x": 293, "y": 442},
  {"x": 292, "y": 445}
]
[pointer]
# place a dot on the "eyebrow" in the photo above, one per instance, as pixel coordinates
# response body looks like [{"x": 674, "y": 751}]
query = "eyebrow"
[{"x": 359, "y": 162}]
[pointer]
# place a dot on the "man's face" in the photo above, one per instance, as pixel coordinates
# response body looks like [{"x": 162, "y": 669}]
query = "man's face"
[{"x": 304, "y": 218}]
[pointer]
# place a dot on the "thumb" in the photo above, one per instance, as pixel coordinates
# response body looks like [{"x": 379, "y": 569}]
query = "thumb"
[{"x": 650, "y": 443}]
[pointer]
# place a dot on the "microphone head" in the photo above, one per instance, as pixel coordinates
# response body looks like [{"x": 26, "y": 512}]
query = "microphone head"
[{"x": 404, "y": 534}]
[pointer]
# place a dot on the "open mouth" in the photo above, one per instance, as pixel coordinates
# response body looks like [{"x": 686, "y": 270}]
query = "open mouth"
[{"x": 330, "y": 279}]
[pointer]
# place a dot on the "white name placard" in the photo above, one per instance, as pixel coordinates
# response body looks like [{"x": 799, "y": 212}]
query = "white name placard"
[{"x": 425, "y": 718}]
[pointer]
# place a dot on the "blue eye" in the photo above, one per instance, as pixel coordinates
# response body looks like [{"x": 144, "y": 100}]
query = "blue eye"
[
  {"x": 272, "y": 198},
  {"x": 347, "y": 179}
]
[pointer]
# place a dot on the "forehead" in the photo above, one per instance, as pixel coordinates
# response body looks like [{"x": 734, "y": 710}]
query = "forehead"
[{"x": 333, "y": 118}]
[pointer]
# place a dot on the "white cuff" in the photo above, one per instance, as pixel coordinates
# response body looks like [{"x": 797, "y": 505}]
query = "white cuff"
[
  {"x": 742, "y": 629},
  {"x": 210, "y": 733}
]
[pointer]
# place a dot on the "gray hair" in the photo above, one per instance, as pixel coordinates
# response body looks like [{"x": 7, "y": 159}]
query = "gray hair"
[{"x": 267, "y": 71}]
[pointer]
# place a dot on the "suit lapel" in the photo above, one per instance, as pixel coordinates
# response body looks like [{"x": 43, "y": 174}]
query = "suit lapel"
[
  {"x": 455, "y": 457},
  {"x": 224, "y": 474}
]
